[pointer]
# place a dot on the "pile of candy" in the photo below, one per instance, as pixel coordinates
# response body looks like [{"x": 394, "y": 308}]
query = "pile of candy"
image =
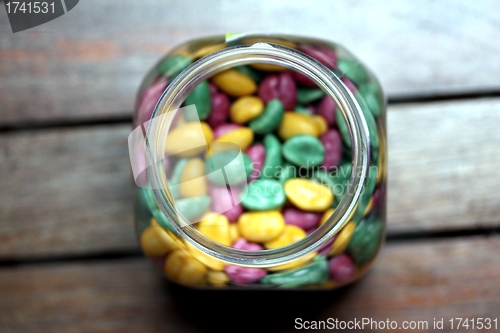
[{"x": 297, "y": 159}]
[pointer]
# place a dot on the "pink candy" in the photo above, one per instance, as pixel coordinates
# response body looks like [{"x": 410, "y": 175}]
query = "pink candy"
[
  {"x": 326, "y": 109},
  {"x": 239, "y": 274},
  {"x": 243, "y": 244},
  {"x": 282, "y": 87},
  {"x": 257, "y": 154},
  {"x": 349, "y": 84},
  {"x": 224, "y": 128},
  {"x": 326, "y": 248},
  {"x": 148, "y": 100},
  {"x": 324, "y": 55},
  {"x": 332, "y": 143},
  {"x": 222, "y": 202},
  {"x": 220, "y": 110},
  {"x": 342, "y": 268},
  {"x": 301, "y": 219}
]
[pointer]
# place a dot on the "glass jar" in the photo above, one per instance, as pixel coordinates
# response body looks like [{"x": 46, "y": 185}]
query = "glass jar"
[{"x": 260, "y": 161}]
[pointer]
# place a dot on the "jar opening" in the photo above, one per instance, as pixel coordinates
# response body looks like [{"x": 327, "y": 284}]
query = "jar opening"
[{"x": 258, "y": 53}]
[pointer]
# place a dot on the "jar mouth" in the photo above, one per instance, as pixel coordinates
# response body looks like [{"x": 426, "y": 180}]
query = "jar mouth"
[{"x": 272, "y": 54}]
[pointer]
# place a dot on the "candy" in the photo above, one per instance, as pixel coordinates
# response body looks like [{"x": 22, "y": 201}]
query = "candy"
[
  {"x": 295, "y": 124},
  {"x": 175, "y": 179},
  {"x": 261, "y": 227},
  {"x": 250, "y": 72},
  {"x": 200, "y": 97},
  {"x": 270, "y": 119},
  {"x": 172, "y": 65},
  {"x": 217, "y": 279},
  {"x": 353, "y": 70},
  {"x": 245, "y": 109},
  {"x": 370, "y": 93},
  {"x": 320, "y": 123},
  {"x": 326, "y": 109},
  {"x": 332, "y": 144},
  {"x": 342, "y": 268},
  {"x": 222, "y": 201},
  {"x": 220, "y": 110},
  {"x": 343, "y": 239},
  {"x": 280, "y": 87},
  {"x": 243, "y": 244},
  {"x": 236, "y": 168},
  {"x": 193, "y": 207},
  {"x": 307, "y": 195},
  {"x": 257, "y": 153},
  {"x": 189, "y": 140},
  {"x": 182, "y": 268},
  {"x": 192, "y": 181},
  {"x": 204, "y": 258},
  {"x": 265, "y": 194},
  {"x": 234, "y": 233},
  {"x": 244, "y": 275},
  {"x": 225, "y": 128},
  {"x": 323, "y": 54},
  {"x": 366, "y": 240},
  {"x": 290, "y": 235},
  {"x": 305, "y": 96},
  {"x": 301, "y": 219},
  {"x": 243, "y": 137},
  {"x": 304, "y": 150},
  {"x": 326, "y": 216},
  {"x": 272, "y": 162},
  {"x": 234, "y": 83},
  {"x": 156, "y": 242},
  {"x": 314, "y": 273},
  {"x": 215, "y": 227}
]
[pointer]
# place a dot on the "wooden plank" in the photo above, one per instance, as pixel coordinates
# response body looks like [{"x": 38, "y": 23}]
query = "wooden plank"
[
  {"x": 88, "y": 63},
  {"x": 410, "y": 281},
  {"x": 67, "y": 192}
]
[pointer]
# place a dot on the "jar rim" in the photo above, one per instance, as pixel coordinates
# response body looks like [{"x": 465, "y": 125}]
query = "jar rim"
[{"x": 267, "y": 53}]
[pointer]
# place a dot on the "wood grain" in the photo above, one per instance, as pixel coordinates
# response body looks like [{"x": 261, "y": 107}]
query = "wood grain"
[
  {"x": 88, "y": 63},
  {"x": 409, "y": 281},
  {"x": 67, "y": 191}
]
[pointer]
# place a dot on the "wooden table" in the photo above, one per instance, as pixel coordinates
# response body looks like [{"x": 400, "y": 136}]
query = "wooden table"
[{"x": 69, "y": 259}]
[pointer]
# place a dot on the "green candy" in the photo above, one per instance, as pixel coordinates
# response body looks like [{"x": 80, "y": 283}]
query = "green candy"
[
  {"x": 190, "y": 208},
  {"x": 368, "y": 189},
  {"x": 148, "y": 198},
  {"x": 303, "y": 110},
  {"x": 370, "y": 93},
  {"x": 250, "y": 72},
  {"x": 304, "y": 150},
  {"x": 236, "y": 170},
  {"x": 370, "y": 122},
  {"x": 163, "y": 221},
  {"x": 200, "y": 96},
  {"x": 353, "y": 70},
  {"x": 172, "y": 65},
  {"x": 366, "y": 240},
  {"x": 270, "y": 119},
  {"x": 314, "y": 273},
  {"x": 306, "y": 96},
  {"x": 337, "y": 180},
  {"x": 264, "y": 194},
  {"x": 288, "y": 172},
  {"x": 175, "y": 179},
  {"x": 273, "y": 160}
]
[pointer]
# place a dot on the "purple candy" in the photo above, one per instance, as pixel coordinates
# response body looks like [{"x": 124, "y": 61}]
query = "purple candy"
[
  {"x": 325, "y": 248},
  {"x": 301, "y": 219},
  {"x": 332, "y": 143},
  {"x": 342, "y": 268},
  {"x": 257, "y": 154},
  {"x": 243, "y": 244},
  {"x": 220, "y": 110},
  {"x": 148, "y": 101},
  {"x": 351, "y": 86},
  {"x": 326, "y": 109},
  {"x": 282, "y": 87},
  {"x": 239, "y": 274},
  {"x": 303, "y": 80},
  {"x": 222, "y": 202},
  {"x": 213, "y": 88},
  {"x": 323, "y": 54},
  {"x": 224, "y": 128}
]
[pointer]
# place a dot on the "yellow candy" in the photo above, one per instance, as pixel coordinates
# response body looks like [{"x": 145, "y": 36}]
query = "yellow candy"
[
  {"x": 215, "y": 227},
  {"x": 189, "y": 140},
  {"x": 177, "y": 241},
  {"x": 156, "y": 242},
  {"x": 217, "y": 278},
  {"x": 269, "y": 67},
  {"x": 307, "y": 195},
  {"x": 343, "y": 239},
  {"x": 368, "y": 207},
  {"x": 245, "y": 109},
  {"x": 320, "y": 123},
  {"x": 209, "y": 261},
  {"x": 261, "y": 227},
  {"x": 234, "y": 83},
  {"x": 193, "y": 182},
  {"x": 297, "y": 123},
  {"x": 290, "y": 235},
  {"x": 206, "y": 50},
  {"x": 234, "y": 233},
  {"x": 326, "y": 216},
  {"x": 297, "y": 263},
  {"x": 182, "y": 268},
  {"x": 268, "y": 40},
  {"x": 243, "y": 137}
]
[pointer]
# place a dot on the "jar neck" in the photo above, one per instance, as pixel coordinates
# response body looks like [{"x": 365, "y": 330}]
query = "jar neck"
[{"x": 206, "y": 67}]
